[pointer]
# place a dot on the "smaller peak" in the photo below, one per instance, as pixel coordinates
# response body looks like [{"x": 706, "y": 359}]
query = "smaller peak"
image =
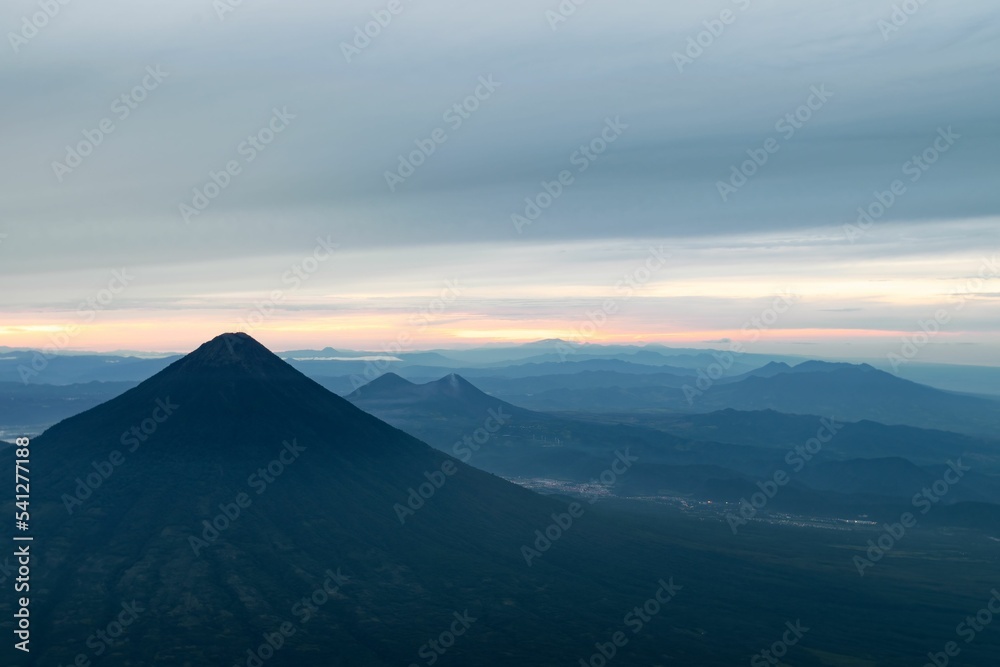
[
  {"x": 454, "y": 381},
  {"x": 456, "y": 387},
  {"x": 769, "y": 370},
  {"x": 390, "y": 378},
  {"x": 385, "y": 384}
]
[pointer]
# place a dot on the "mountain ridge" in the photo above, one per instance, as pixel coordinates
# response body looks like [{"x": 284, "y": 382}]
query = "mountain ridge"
[{"x": 218, "y": 492}]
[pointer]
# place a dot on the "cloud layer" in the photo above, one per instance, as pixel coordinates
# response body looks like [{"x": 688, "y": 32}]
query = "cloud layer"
[{"x": 701, "y": 94}]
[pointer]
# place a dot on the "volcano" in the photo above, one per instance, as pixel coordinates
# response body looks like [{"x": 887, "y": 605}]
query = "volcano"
[
  {"x": 230, "y": 511},
  {"x": 451, "y": 397},
  {"x": 242, "y": 514}
]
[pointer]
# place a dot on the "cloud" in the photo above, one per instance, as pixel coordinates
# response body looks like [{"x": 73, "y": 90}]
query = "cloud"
[
  {"x": 324, "y": 176},
  {"x": 355, "y": 119}
]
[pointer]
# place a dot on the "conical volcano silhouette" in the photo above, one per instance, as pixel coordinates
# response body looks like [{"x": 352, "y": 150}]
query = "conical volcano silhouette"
[{"x": 229, "y": 495}]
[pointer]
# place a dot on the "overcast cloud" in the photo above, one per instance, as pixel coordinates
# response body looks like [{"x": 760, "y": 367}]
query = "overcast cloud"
[{"x": 887, "y": 95}]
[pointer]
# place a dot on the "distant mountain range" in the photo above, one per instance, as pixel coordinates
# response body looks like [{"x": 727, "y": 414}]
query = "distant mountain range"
[
  {"x": 865, "y": 439},
  {"x": 28, "y": 409},
  {"x": 452, "y": 395},
  {"x": 455, "y": 416},
  {"x": 692, "y": 451},
  {"x": 852, "y": 392},
  {"x": 856, "y": 392},
  {"x": 41, "y": 368},
  {"x": 230, "y": 508}
]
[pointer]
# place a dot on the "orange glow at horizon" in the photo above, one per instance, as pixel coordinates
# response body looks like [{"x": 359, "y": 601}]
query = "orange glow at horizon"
[{"x": 159, "y": 332}]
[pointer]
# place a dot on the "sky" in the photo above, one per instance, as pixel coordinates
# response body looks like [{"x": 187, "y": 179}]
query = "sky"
[{"x": 473, "y": 173}]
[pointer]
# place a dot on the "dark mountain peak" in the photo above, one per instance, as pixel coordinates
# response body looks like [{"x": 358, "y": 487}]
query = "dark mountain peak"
[
  {"x": 390, "y": 385},
  {"x": 387, "y": 384},
  {"x": 236, "y": 398},
  {"x": 454, "y": 380},
  {"x": 770, "y": 370},
  {"x": 452, "y": 394},
  {"x": 234, "y": 343},
  {"x": 391, "y": 379},
  {"x": 455, "y": 392},
  {"x": 455, "y": 386},
  {"x": 233, "y": 353}
]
